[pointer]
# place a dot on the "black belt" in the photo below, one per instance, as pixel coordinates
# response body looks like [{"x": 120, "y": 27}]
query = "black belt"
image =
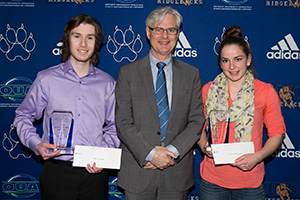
[{"x": 61, "y": 162}]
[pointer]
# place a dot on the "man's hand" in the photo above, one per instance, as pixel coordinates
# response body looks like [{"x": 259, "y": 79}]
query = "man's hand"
[
  {"x": 163, "y": 158},
  {"x": 93, "y": 169},
  {"x": 149, "y": 165},
  {"x": 43, "y": 146}
]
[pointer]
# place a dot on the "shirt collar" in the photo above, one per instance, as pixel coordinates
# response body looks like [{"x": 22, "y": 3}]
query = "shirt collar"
[
  {"x": 154, "y": 61},
  {"x": 68, "y": 66}
]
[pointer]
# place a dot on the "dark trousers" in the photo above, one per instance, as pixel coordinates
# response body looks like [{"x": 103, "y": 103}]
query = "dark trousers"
[
  {"x": 160, "y": 188},
  {"x": 59, "y": 180}
]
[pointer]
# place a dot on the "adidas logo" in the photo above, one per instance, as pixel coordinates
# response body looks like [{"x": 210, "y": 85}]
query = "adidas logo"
[
  {"x": 286, "y": 49},
  {"x": 183, "y": 48},
  {"x": 287, "y": 143},
  {"x": 287, "y": 149},
  {"x": 57, "y": 51}
]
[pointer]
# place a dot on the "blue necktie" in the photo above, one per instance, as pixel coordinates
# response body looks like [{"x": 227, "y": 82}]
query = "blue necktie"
[{"x": 162, "y": 100}]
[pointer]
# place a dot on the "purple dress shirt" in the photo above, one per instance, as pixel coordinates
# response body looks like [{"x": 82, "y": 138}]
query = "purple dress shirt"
[{"x": 91, "y": 100}]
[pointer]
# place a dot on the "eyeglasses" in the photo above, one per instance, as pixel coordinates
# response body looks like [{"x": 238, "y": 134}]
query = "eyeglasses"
[{"x": 160, "y": 31}]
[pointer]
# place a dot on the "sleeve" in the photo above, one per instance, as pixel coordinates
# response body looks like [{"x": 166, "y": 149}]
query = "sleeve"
[
  {"x": 31, "y": 109},
  {"x": 195, "y": 119},
  {"x": 110, "y": 137},
  {"x": 127, "y": 131},
  {"x": 273, "y": 118}
]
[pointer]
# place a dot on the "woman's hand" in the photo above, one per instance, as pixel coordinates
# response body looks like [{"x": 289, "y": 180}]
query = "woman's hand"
[
  {"x": 246, "y": 162},
  {"x": 203, "y": 144}
]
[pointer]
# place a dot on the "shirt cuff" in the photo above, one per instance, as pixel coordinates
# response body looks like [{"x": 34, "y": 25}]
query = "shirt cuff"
[
  {"x": 151, "y": 154},
  {"x": 169, "y": 147},
  {"x": 33, "y": 143},
  {"x": 173, "y": 149}
]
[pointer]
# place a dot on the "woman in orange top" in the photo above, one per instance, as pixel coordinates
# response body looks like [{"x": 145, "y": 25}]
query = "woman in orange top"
[{"x": 249, "y": 104}]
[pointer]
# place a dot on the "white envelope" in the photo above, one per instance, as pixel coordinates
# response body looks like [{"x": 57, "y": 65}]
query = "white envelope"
[
  {"x": 227, "y": 153},
  {"x": 108, "y": 158}
]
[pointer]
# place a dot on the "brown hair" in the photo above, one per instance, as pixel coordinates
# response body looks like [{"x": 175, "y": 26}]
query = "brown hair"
[
  {"x": 75, "y": 22},
  {"x": 234, "y": 36}
]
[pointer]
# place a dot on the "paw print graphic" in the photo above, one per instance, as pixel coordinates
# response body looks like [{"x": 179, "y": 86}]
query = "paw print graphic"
[
  {"x": 16, "y": 43},
  {"x": 10, "y": 143},
  {"x": 124, "y": 45},
  {"x": 218, "y": 41}
]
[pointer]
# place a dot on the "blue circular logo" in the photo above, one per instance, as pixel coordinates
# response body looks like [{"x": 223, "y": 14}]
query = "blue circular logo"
[
  {"x": 113, "y": 188},
  {"x": 126, "y": 1},
  {"x": 235, "y": 2},
  {"x": 15, "y": 89},
  {"x": 21, "y": 186}
]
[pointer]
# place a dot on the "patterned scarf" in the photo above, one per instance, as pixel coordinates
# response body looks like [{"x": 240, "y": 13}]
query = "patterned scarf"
[{"x": 241, "y": 110}]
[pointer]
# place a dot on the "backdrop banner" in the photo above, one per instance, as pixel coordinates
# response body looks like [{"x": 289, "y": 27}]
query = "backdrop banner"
[{"x": 30, "y": 31}]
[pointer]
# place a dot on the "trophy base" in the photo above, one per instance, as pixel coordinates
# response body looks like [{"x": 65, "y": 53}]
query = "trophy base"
[{"x": 63, "y": 150}]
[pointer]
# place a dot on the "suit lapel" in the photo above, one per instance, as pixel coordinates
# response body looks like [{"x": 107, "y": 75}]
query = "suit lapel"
[
  {"x": 147, "y": 80},
  {"x": 177, "y": 77}
]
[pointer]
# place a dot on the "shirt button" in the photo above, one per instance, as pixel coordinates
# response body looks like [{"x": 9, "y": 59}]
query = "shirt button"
[{"x": 158, "y": 133}]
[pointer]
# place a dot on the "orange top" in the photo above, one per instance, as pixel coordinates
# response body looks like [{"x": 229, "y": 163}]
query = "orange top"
[{"x": 267, "y": 111}]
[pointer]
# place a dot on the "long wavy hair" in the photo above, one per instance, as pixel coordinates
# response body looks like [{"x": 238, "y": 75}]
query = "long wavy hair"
[{"x": 75, "y": 22}]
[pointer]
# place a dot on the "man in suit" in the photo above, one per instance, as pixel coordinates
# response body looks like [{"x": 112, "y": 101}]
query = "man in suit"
[{"x": 158, "y": 133}]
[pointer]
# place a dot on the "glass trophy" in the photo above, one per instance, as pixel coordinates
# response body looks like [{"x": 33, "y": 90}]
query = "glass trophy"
[
  {"x": 218, "y": 127},
  {"x": 61, "y": 131}
]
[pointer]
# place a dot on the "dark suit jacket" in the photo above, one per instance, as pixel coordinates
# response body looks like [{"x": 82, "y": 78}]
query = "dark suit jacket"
[{"x": 138, "y": 123}]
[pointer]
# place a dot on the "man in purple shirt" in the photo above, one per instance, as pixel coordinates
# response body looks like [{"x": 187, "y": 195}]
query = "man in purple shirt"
[{"x": 77, "y": 87}]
